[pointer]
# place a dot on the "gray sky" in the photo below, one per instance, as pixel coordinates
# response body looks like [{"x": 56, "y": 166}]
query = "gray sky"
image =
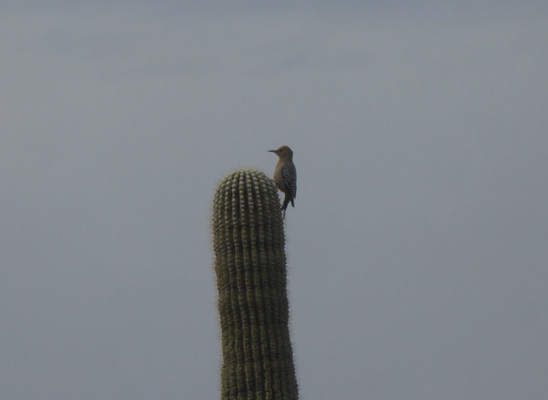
[{"x": 418, "y": 257}]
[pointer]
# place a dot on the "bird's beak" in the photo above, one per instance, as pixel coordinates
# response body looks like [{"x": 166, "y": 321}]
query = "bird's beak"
[{"x": 272, "y": 151}]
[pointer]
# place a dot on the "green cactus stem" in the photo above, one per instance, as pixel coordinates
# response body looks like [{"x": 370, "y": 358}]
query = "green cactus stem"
[{"x": 250, "y": 265}]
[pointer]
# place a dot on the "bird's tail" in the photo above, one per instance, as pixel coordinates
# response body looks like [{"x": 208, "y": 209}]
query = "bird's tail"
[
  {"x": 288, "y": 199},
  {"x": 286, "y": 202}
]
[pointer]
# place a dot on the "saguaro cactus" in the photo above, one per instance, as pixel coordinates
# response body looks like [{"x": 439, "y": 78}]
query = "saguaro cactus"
[{"x": 250, "y": 264}]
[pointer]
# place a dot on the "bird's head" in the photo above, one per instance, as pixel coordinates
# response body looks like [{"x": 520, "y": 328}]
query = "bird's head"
[{"x": 283, "y": 152}]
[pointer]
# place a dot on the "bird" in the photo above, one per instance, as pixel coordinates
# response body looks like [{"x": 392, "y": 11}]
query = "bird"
[{"x": 285, "y": 175}]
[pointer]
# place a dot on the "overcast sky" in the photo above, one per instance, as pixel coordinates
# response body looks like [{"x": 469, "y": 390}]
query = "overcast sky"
[{"x": 418, "y": 248}]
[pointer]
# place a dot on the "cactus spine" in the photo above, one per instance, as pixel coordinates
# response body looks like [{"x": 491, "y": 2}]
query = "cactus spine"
[{"x": 250, "y": 264}]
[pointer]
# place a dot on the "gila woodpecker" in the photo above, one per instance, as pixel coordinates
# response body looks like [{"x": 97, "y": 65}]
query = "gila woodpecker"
[{"x": 285, "y": 175}]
